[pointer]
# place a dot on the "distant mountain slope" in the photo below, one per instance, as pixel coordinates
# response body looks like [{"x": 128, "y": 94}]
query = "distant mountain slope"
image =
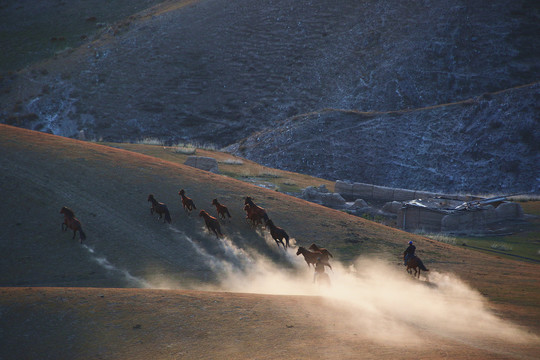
[
  {"x": 217, "y": 70},
  {"x": 475, "y": 146},
  {"x": 31, "y": 30}
]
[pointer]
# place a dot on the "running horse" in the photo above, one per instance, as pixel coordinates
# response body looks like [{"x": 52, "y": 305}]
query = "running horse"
[
  {"x": 221, "y": 210},
  {"x": 255, "y": 218},
  {"x": 323, "y": 250},
  {"x": 187, "y": 203},
  {"x": 415, "y": 264},
  {"x": 211, "y": 223},
  {"x": 278, "y": 234},
  {"x": 71, "y": 222},
  {"x": 254, "y": 209},
  {"x": 159, "y": 208},
  {"x": 311, "y": 257}
]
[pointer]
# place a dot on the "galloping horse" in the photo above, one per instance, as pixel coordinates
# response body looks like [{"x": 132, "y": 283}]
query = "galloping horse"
[
  {"x": 221, "y": 209},
  {"x": 323, "y": 280},
  {"x": 159, "y": 208},
  {"x": 211, "y": 223},
  {"x": 278, "y": 234},
  {"x": 323, "y": 250},
  {"x": 254, "y": 209},
  {"x": 187, "y": 203},
  {"x": 255, "y": 218},
  {"x": 70, "y": 221},
  {"x": 415, "y": 263},
  {"x": 311, "y": 257}
]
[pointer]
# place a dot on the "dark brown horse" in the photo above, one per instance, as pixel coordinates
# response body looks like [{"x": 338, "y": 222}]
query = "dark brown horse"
[
  {"x": 211, "y": 223},
  {"x": 254, "y": 209},
  {"x": 70, "y": 221},
  {"x": 222, "y": 210},
  {"x": 415, "y": 264},
  {"x": 252, "y": 216},
  {"x": 311, "y": 257},
  {"x": 323, "y": 250},
  {"x": 187, "y": 203},
  {"x": 159, "y": 208},
  {"x": 278, "y": 234}
]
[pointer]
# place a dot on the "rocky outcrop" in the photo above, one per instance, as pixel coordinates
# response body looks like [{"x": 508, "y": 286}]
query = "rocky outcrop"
[
  {"x": 322, "y": 196},
  {"x": 203, "y": 163}
]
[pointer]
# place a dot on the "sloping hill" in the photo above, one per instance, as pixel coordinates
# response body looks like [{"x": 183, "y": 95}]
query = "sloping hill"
[
  {"x": 475, "y": 146},
  {"x": 108, "y": 189},
  {"x": 377, "y": 309}
]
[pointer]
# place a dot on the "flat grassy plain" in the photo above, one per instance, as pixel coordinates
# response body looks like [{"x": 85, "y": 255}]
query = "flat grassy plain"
[{"x": 138, "y": 288}]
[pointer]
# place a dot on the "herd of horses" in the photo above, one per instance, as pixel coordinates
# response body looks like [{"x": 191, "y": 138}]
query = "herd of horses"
[{"x": 255, "y": 215}]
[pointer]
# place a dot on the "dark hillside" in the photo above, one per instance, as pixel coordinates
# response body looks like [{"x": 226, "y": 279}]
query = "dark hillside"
[
  {"x": 215, "y": 71},
  {"x": 476, "y": 146},
  {"x": 31, "y": 31}
]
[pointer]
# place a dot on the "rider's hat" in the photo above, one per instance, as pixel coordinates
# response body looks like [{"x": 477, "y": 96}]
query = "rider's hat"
[{"x": 410, "y": 242}]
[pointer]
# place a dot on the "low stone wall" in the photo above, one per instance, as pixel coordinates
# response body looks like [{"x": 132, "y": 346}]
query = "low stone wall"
[
  {"x": 415, "y": 218},
  {"x": 203, "y": 163}
]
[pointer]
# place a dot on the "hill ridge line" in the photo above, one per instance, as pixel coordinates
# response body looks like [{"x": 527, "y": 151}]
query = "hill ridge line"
[{"x": 404, "y": 111}]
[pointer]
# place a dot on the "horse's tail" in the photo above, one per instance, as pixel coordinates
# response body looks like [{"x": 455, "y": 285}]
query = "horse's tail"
[
  {"x": 193, "y": 204},
  {"x": 167, "y": 216},
  {"x": 421, "y": 265},
  {"x": 82, "y": 235},
  {"x": 265, "y": 217},
  {"x": 227, "y": 212}
]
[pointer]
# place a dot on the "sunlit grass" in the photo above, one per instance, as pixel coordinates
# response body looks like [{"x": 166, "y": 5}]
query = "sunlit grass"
[
  {"x": 447, "y": 239},
  {"x": 229, "y": 165}
]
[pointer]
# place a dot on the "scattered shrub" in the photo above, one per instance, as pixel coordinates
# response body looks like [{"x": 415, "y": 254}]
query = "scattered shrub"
[
  {"x": 185, "y": 150},
  {"x": 501, "y": 246},
  {"x": 150, "y": 141},
  {"x": 231, "y": 162}
]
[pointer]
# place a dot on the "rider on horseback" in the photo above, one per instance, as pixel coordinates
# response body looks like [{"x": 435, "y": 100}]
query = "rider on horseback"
[{"x": 409, "y": 253}]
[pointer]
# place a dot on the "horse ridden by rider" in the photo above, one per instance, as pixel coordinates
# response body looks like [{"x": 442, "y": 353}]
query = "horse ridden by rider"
[{"x": 412, "y": 261}]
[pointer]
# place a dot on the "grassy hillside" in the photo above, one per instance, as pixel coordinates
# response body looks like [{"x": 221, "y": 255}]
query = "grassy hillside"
[
  {"x": 231, "y": 166},
  {"x": 33, "y": 31},
  {"x": 126, "y": 248}
]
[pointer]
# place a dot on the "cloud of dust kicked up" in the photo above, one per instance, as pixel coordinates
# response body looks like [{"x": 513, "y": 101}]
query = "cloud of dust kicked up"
[{"x": 372, "y": 296}]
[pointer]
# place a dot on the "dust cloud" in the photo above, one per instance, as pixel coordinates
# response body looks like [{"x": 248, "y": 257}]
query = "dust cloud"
[
  {"x": 372, "y": 297},
  {"x": 375, "y": 298}
]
